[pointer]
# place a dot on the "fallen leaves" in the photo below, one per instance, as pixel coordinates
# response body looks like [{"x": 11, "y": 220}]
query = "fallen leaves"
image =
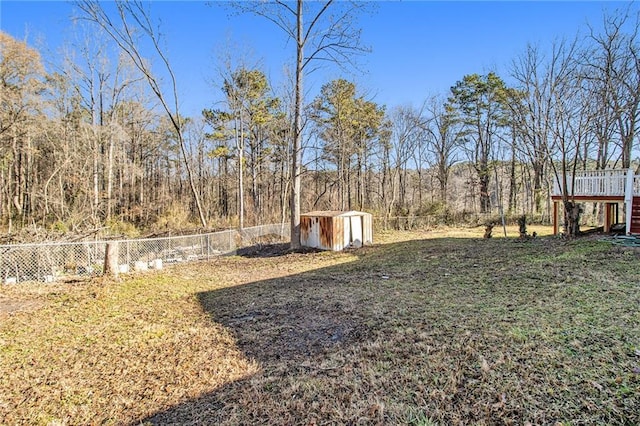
[{"x": 340, "y": 338}]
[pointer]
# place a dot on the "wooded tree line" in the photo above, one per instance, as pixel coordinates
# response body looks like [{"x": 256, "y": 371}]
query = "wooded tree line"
[{"x": 83, "y": 143}]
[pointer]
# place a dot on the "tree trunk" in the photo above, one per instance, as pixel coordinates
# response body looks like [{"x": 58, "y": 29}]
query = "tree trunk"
[
  {"x": 538, "y": 171},
  {"x": 192, "y": 185},
  {"x": 485, "y": 199},
  {"x": 360, "y": 187},
  {"x": 297, "y": 140},
  {"x": 110, "y": 178},
  {"x": 572, "y": 213},
  {"x": 240, "y": 147},
  {"x": 443, "y": 177},
  {"x": 111, "y": 260}
]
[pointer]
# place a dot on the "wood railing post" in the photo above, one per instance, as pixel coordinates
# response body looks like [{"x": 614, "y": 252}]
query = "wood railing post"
[{"x": 628, "y": 199}]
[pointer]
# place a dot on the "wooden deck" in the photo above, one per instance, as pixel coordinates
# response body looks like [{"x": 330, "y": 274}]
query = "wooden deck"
[{"x": 611, "y": 187}]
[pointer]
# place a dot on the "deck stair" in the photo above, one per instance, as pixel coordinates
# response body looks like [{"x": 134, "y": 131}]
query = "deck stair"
[{"x": 635, "y": 216}]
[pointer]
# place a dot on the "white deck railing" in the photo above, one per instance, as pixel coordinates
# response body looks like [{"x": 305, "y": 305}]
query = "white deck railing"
[{"x": 600, "y": 183}]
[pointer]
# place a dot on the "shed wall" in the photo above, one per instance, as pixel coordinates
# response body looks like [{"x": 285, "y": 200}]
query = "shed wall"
[
  {"x": 336, "y": 231},
  {"x": 367, "y": 228}
]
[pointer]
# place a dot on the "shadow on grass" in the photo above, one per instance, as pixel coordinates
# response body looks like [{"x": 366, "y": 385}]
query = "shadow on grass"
[
  {"x": 288, "y": 325},
  {"x": 270, "y": 250},
  {"x": 458, "y": 330}
]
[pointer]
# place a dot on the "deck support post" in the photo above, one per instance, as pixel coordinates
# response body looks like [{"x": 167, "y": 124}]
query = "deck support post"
[
  {"x": 555, "y": 218},
  {"x": 609, "y": 214}
]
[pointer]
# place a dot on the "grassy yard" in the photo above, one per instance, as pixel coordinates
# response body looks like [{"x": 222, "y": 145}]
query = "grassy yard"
[{"x": 424, "y": 328}]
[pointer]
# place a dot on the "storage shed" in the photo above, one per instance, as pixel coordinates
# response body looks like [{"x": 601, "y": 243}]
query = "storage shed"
[{"x": 336, "y": 230}]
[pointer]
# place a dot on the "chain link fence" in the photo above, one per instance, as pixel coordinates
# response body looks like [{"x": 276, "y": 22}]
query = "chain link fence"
[
  {"x": 401, "y": 223},
  {"x": 48, "y": 262},
  {"x": 417, "y": 222}
]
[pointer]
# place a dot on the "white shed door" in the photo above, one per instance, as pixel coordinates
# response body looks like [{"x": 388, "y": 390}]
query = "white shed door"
[
  {"x": 356, "y": 231},
  {"x": 314, "y": 234},
  {"x": 346, "y": 229}
]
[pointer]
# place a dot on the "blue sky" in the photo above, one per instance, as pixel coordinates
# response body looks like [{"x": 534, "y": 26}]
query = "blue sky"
[{"x": 418, "y": 48}]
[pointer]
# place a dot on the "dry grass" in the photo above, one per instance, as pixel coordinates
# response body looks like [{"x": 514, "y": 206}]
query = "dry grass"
[{"x": 422, "y": 328}]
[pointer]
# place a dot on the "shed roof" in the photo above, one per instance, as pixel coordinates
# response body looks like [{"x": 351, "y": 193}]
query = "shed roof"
[{"x": 333, "y": 213}]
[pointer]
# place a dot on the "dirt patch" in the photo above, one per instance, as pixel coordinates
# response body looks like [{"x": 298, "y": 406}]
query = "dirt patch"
[
  {"x": 280, "y": 320},
  {"x": 271, "y": 250},
  {"x": 292, "y": 334},
  {"x": 8, "y": 306}
]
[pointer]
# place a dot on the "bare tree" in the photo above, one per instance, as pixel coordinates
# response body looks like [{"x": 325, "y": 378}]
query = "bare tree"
[
  {"x": 22, "y": 80},
  {"x": 531, "y": 110},
  {"x": 444, "y": 132},
  {"x": 133, "y": 17},
  {"x": 612, "y": 69},
  {"x": 405, "y": 137},
  {"x": 327, "y": 37},
  {"x": 568, "y": 124},
  {"x": 99, "y": 86}
]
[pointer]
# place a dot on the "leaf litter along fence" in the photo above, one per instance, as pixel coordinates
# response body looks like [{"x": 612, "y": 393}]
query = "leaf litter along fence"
[{"x": 48, "y": 262}]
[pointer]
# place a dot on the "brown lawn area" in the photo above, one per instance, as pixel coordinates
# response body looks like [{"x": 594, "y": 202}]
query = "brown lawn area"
[{"x": 424, "y": 327}]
